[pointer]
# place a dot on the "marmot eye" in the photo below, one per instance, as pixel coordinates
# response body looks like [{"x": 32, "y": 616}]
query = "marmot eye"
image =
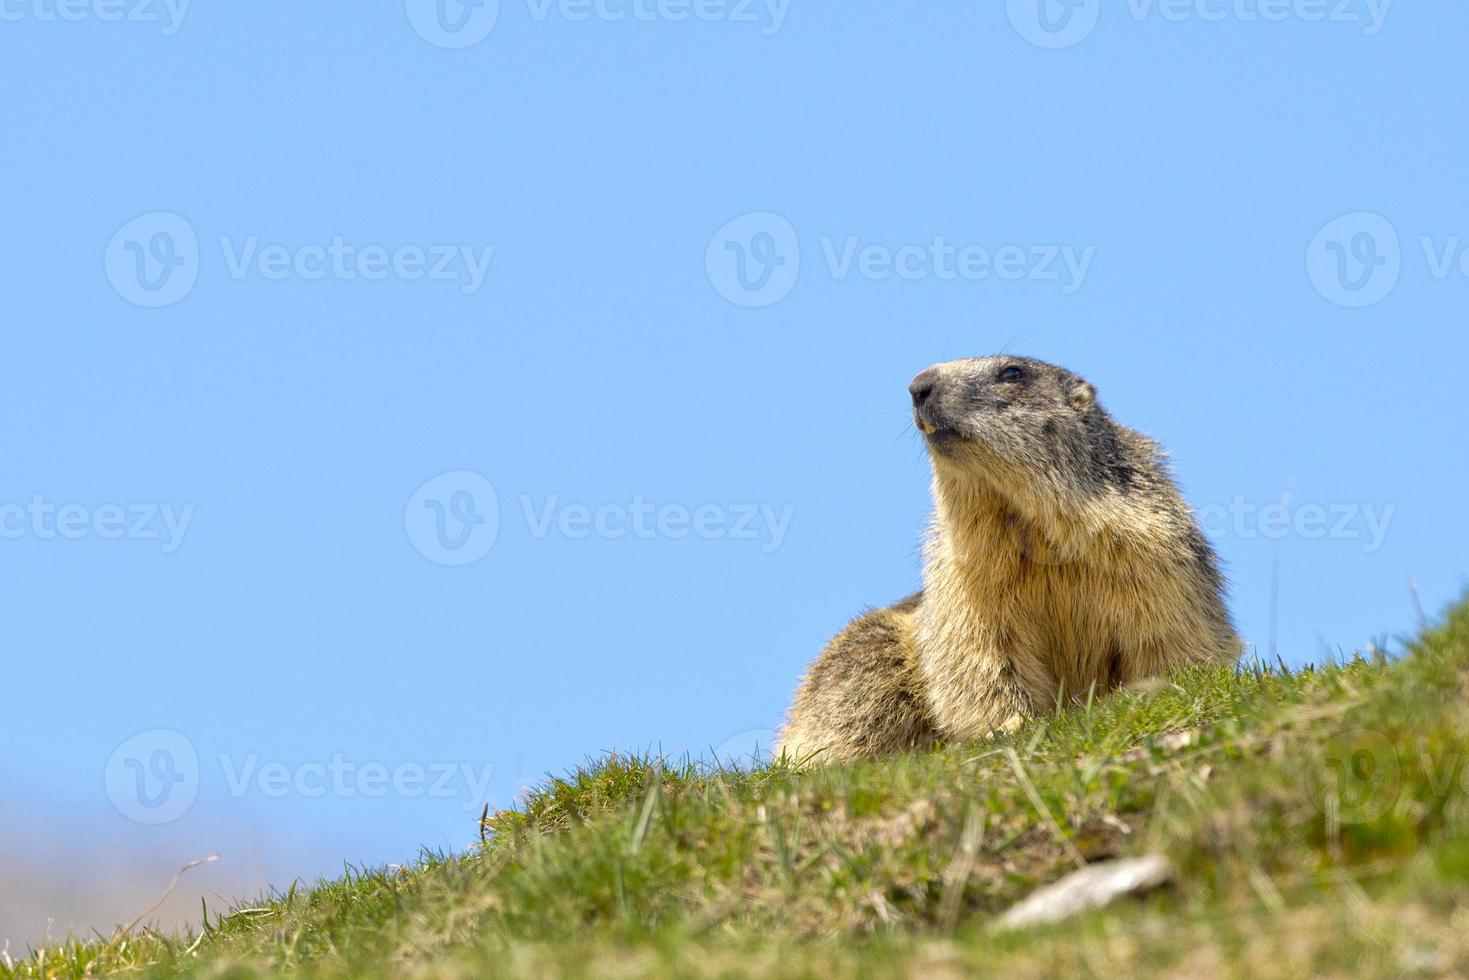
[{"x": 1012, "y": 373}]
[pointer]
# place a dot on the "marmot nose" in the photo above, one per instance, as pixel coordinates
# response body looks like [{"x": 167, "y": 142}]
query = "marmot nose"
[{"x": 923, "y": 387}]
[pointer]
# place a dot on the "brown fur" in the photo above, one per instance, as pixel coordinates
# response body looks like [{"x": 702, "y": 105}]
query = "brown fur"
[{"x": 1061, "y": 558}]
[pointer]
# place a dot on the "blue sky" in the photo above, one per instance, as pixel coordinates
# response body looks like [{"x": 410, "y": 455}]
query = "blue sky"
[{"x": 387, "y": 404}]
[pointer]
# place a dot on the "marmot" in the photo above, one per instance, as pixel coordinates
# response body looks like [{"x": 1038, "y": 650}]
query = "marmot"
[{"x": 1061, "y": 558}]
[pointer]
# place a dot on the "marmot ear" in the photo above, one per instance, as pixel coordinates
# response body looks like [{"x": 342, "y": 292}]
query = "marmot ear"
[{"x": 1082, "y": 396}]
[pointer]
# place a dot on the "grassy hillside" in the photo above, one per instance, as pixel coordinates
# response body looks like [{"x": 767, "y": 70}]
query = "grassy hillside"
[{"x": 1319, "y": 822}]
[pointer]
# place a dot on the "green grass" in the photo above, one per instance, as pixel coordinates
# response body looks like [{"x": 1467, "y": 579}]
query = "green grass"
[{"x": 1319, "y": 820}]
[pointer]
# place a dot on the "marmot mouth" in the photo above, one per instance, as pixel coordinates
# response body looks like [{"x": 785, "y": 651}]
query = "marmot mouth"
[
  {"x": 941, "y": 438},
  {"x": 938, "y": 430},
  {"x": 931, "y": 423}
]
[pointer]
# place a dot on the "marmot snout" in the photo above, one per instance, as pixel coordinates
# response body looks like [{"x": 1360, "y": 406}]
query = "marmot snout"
[{"x": 1061, "y": 557}]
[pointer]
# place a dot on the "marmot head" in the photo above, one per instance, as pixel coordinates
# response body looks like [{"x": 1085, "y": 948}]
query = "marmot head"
[{"x": 1015, "y": 423}]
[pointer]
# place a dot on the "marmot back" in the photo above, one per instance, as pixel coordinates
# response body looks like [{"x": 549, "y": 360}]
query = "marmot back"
[{"x": 1061, "y": 557}]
